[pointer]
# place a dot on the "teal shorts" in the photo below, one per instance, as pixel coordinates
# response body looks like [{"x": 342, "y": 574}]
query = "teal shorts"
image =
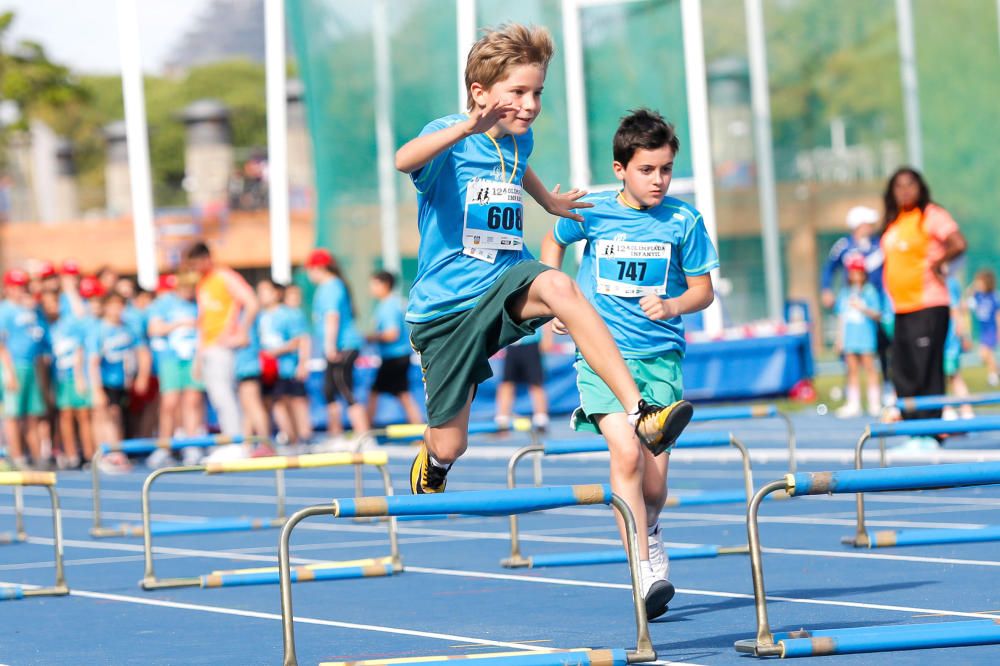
[
  {"x": 659, "y": 379},
  {"x": 27, "y": 399},
  {"x": 176, "y": 376},
  {"x": 67, "y": 396}
]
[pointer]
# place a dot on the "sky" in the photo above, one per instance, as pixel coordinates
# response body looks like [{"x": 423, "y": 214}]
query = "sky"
[{"x": 84, "y": 34}]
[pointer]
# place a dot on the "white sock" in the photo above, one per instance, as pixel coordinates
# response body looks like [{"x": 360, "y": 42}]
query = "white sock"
[
  {"x": 652, "y": 530},
  {"x": 436, "y": 463},
  {"x": 540, "y": 420},
  {"x": 503, "y": 422}
]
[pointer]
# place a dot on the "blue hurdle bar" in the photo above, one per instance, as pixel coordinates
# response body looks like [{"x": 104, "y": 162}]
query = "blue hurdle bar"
[
  {"x": 582, "y": 657},
  {"x": 370, "y": 568},
  {"x": 741, "y": 412},
  {"x": 929, "y": 537},
  {"x": 862, "y": 639},
  {"x": 617, "y": 556},
  {"x": 580, "y": 445},
  {"x": 11, "y": 592},
  {"x": 917, "y": 403},
  {"x": 913, "y": 428},
  {"x": 481, "y": 503},
  {"x": 147, "y": 445}
]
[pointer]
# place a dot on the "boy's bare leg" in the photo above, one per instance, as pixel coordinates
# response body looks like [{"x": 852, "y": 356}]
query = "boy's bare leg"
[
  {"x": 372, "y": 405},
  {"x": 539, "y": 399},
  {"x": 86, "y": 433},
  {"x": 654, "y": 485},
  {"x": 449, "y": 441},
  {"x": 410, "y": 408},
  {"x": 68, "y": 433},
  {"x": 628, "y": 463},
  {"x": 357, "y": 415},
  {"x": 168, "y": 411},
  {"x": 191, "y": 412},
  {"x": 300, "y": 415},
  {"x": 554, "y": 293},
  {"x": 334, "y": 420},
  {"x": 12, "y": 429},
  {"x": 505, "y": 402}
]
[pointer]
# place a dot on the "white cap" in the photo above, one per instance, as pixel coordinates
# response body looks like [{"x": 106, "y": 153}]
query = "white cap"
[{"x": 862, "y": 215}]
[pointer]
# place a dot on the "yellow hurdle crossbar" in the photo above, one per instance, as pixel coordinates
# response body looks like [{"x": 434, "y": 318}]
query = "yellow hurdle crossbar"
[
  {"x": 416, "y": 430},
  {"x": 272, "y": 463},
  {"x": 27, "y": 478}
]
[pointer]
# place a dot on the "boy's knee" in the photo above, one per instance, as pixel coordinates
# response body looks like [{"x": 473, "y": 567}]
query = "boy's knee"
[
  {"x": 560, "y": 286},
  {"x": 446, "y": 448},
  {"x": 628, "y": 461}
]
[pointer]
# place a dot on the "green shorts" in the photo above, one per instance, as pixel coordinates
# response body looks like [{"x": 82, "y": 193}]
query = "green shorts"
[
  {"x": 67, "y": 396},
  {"x": 659, "y": 379},
  {"x": 27, "y": 399},
  {"x": 175, "y": 376},
  {"x": 455, "y": 349}
]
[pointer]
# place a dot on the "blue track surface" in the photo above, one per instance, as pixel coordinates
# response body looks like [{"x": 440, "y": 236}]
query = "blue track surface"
[{"x": 454, "y": 597}]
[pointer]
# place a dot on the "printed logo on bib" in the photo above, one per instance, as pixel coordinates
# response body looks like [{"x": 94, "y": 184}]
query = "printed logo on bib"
[
  {"x": 494, "y": 218},
  {"x": 631, "y": 269}
]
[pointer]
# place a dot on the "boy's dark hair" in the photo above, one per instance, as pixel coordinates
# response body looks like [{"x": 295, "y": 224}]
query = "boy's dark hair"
[
  {"x": 112, "y": 296},
  {"x": 646, "y": 129},
  {"x": 386, "y": 278},
  {"x": 277, "y": 286},
  {"x": 989, "y": 279},
  {"x": 199, "y": 251}
]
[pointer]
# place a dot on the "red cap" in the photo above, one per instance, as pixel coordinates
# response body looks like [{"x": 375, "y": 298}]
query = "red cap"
[
  {"x": 70, "y": 267},
  {"x": 855, "y": 263},
  {"x": 15, "y": 277},
  {"x": 167, "y": 282},
  {"x": 46, "y": 269},
  {"x": 319, "y": 257},
  {"x": 91, "y": 287}
]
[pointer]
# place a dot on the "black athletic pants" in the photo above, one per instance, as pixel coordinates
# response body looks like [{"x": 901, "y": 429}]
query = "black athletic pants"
[{"x": 918, "y": 356}]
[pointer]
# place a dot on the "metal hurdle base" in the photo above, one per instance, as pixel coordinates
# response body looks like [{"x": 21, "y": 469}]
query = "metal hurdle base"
[{"x": 48, "y": 481}]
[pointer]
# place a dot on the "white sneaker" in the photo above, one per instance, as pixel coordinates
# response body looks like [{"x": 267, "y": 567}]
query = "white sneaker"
[
  {"x": 658, "y": 561},
  {"x": 365, "y": 442},
  {"x": 656, "y": 593},
  {"x": 115, "y": 463},
  {"x": 333, "y": 445},
  {"x": 965, "y": 411},
  {"x": 848, "y": 411},
  {"x": 226, "y": 453},
  {"x": 917, "y": 445},
  {"x": 191, "y": 455},
  {"x": 993, "y": 379},
  {"x": 949, "y": 414},
  {"x": 161, "y": 458}
]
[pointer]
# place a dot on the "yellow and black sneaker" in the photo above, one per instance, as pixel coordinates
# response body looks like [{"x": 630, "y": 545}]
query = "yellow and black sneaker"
[
  {"x": 659, "y": 427},
  {"x": 426, "y": 478}
]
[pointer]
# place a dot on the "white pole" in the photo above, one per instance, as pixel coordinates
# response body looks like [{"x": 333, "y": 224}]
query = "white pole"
[
  {"x": 277, "y": 141},
  {"x": 137, "y": 138},
  {"x": 760, "y": 102},
  {"x": 701, "y": 142},
  {"x": 385, "y": 144},
  {"x": 465, "y": 34},
  {"x": 908, "y": 74},
  {"x": 576, "y": 96}
]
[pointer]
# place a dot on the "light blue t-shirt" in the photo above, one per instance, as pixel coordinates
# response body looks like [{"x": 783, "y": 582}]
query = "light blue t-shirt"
[
  {"x": 247, "y": 359},
  {"x": 389, "y": 316},
  {"x": 67, "y": 336},
  {"x": 181, "y": 344},
  {"x": 332, "y": 296},
  {"x": 631, "y": 253},
  {"x": 156, "y": 310},
  {"x": 115, "y": 345},
  {"x": 857, "y": 329},
  {"x": 447, "y": 279},
  {"x": 279, "y": 326},
  {"x": 138, "y": 322},
  {"x": 23, "y": 332}
]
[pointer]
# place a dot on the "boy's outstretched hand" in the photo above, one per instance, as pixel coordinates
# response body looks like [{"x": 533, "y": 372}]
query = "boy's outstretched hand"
[
  {"x": 483, "y": 118},
  {"x": 563, "y": 203}
]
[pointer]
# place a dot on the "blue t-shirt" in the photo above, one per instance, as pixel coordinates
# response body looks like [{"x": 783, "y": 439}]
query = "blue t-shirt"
[
  {"x": 388, "y": 316},
  {"x": 138, "y": 322},
  {"x": 67, "y": 336},
  {"x": 247, "y": 359},
  {"x": 984, "y": 307},
  {"x": 448, "y": 280},
  {"x": 114, "y": 343},
  {"x": 631, "y": 253},
  {"x": 23, "y": 332},
  {"x": 181, "y": 344},
  {"x": 857, "y": 329},
  {"x": 279, "y": 326},
  {"x": 846, "y": 249},
  {"x": 156, "y": 310},
  {"x": 332, "y": 296}
]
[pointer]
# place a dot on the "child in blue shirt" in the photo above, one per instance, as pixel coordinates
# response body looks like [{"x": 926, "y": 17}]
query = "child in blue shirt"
[
  {"x": 392, "y": 337},
  {"x": 284, "y": 334},
  {"x": 111, "y": 351},
  {"x": 985, "y": 306},
  {"x": 647, "y": 261},
  {"x": 859, "y": 311},
  {"x": 477, "y": 288},
  {"x": 68, "y": 344}
]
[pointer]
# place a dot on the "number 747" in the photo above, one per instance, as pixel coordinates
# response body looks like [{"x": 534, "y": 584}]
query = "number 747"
[{"x": 632, "y": 270}]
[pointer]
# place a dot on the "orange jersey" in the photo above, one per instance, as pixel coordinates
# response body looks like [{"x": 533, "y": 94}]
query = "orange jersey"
[
  {"x": 218, "y": 311},
  {"x": 912, "y": 244}
]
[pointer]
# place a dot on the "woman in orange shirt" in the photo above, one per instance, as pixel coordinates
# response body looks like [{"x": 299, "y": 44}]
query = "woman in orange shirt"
[{"x": 919, "y": 240}]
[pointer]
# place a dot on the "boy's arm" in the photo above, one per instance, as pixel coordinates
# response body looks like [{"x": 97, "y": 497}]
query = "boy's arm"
[
  {"x": 79, "y": 378},
  {"x": 145, "y": 368},
  {"x": 244, "y": 295},
  {"x": 305, "y": 350},
  {"x": 417, "y": 152},
  {"x": 100, "y": 399},
  {"x": 554, "y": 202},
  {"x": 552, "y": 252},
  {"x": 10, "y": 377},
  {"x": 698, "y": 296},
  {"x": 331, "y": 327}
]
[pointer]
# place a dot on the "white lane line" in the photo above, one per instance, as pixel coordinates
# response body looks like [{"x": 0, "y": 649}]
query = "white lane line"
[
  {"x": 49, "y": 564},
  {"x": 879, "y": 556}
]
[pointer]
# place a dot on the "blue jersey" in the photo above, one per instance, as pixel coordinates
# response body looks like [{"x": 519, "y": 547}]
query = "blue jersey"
[
  {"x": 332, "y": 296},
  {"x": 469, "y": 210},
  {"x": 847, "y": 248},
  {"x": 181, "y": 343},
  {"x": 23, "y": 332},
  {"x": 158, "y": 343},
  {"x": 857, "y": 329},
  {"x": 248, "y": 358},
  {"x": 389, "y": 316},
  {"x": 115, "y": 345},
  {"x": 632, "y": 253},
  {"x": 984, "y": 306},
  {"x": 138, "y": 322},
  {"x": 67, "y": 339},
  {"x": 279, "y": 326}
]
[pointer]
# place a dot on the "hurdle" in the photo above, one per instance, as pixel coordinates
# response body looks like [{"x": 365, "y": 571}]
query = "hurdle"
[
  {"x": 325, "y": 571},
  {"x": 599, "y": 445},
  {"x": 481, "y": 503},
  {"x": 47, "y": 480},
  {"x": 863, "y": 639},
  {"x": 146, "y": 445},
  {"x": 922, "y": 402},
  {"x": 740, "y": 412},
  {"x": 922, "y": 427}
]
